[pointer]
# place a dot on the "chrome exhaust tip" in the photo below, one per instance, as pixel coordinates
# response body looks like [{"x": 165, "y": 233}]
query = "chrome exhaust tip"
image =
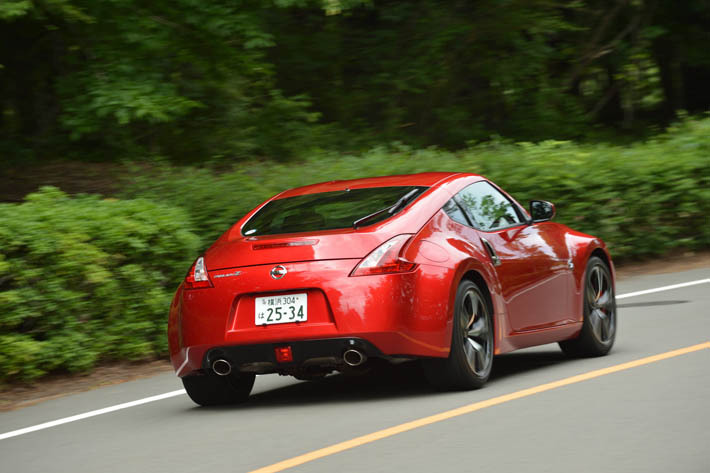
[
  {"x": 221, "y": 367},
  {"x": 354, "y": 357}
]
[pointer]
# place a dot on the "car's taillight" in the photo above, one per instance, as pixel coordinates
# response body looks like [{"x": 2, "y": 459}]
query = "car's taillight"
[
  {"x": 197, "y": 276},
  {"x": 385, "y": 259}
]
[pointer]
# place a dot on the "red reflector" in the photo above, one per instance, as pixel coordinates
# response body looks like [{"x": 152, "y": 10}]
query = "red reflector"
[{"x": 283, "y": 354}]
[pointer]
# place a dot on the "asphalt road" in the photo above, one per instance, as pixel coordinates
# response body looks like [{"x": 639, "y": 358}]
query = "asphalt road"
[{"x": 647, "y": 417}]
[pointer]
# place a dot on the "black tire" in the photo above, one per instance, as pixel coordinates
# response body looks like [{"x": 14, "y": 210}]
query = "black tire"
[
  {"x": 471, "y": 357},
  {"x": 212, "y": 390},
  {"x": 599, "y": 305}
]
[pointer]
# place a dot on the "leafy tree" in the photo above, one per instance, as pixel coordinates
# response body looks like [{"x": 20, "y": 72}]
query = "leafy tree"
[
  {"x": 182, "y": 77},
  {"x": 197, "y": 80}
]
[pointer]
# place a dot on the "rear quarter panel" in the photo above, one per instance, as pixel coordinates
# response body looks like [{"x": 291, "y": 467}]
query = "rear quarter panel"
[{"x": 446, "y": 258}]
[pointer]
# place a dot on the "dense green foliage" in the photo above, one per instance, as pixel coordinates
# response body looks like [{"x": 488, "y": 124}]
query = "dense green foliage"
[
  {"x": 85, "y": 280},
  {"x": 644, "y": 199},
  {"x": 280, "y": 93},
  {"x": 233, "y": 79}
]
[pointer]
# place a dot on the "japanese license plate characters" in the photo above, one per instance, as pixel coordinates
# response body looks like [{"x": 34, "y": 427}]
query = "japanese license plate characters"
[{"x": 280, "y": 309}]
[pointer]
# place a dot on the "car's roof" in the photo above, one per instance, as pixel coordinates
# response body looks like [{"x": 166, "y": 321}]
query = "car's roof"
[{"x": 426, "y": 179}]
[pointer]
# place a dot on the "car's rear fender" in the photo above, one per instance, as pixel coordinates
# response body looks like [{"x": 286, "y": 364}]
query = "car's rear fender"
[{"x": 439, "y": 244}]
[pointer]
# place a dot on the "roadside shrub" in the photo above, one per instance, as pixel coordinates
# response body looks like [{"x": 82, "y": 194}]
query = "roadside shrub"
[
  {"x": 644, "y": 199},
  {"x": 84, "y": 280}
]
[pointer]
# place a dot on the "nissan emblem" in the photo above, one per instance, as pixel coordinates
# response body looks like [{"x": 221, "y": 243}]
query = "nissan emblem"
[{"x": 277, "y": 272}]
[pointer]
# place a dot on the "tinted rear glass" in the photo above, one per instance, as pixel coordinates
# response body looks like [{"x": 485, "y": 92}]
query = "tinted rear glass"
[{"x": 326, "y": 210}]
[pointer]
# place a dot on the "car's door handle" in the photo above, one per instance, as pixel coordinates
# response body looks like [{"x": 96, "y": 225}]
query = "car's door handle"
[{"x": 491, "y": 252}]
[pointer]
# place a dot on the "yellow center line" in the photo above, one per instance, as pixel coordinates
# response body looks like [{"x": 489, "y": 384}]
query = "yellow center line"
[{"x": 467, "y": 409}]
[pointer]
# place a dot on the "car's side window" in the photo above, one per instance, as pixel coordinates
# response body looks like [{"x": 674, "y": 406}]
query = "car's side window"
[
  {"x": 489, "y": 209},
  {"x": 453, "y": 210}
]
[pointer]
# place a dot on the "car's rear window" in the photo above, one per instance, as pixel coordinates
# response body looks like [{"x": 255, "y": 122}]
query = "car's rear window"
[{"x": 328, "y": 210}]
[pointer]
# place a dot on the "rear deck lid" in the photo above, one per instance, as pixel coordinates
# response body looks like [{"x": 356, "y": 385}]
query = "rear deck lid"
[
  {"x": 325, "y": 225},
  {"x": 250, "y": 251}
]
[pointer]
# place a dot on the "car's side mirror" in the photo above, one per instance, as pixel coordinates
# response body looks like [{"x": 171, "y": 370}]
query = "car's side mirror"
[{"x": 541, "y": 211}]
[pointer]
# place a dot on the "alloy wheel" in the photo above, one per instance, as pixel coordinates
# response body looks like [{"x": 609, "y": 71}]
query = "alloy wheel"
[
  {"x": 600, "y": 303},
  {"x": 478, "y": 332}
]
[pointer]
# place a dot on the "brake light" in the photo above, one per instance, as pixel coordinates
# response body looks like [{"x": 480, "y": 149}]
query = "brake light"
[
  {"x": 266, "y": 246},
  {"x": 197, "y": 277},
  {"x": 385, "y": 259}
]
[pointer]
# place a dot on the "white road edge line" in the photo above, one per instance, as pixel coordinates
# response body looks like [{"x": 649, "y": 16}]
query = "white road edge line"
[
  {"x": 86, "y": 415},
  {"x": 180, "y": 392},
  {"x": 664, "y": 288}
]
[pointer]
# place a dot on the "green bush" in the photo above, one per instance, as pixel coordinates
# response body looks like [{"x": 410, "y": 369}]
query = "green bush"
[
  {"x": 84, "y": 280},
  {"x": 643, "y": 199}
]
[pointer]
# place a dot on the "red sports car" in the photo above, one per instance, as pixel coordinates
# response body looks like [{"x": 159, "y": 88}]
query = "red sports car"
[{"x": 442, "y": 267}]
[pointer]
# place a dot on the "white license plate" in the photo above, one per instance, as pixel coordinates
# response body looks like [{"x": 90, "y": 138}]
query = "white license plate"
[{"x": 282, "y": 309}]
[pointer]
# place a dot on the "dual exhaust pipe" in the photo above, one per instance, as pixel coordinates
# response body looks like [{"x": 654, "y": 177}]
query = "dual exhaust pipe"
[
  {"x": 352, "y": 357},
  {"x": 221, "y": 367}
]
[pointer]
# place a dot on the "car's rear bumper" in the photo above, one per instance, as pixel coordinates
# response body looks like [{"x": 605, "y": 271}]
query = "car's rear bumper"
[
  {"x": 397, "y": 315},
  {"x": 261, "y": 358},
  {"x": 393, "y": 344}
]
